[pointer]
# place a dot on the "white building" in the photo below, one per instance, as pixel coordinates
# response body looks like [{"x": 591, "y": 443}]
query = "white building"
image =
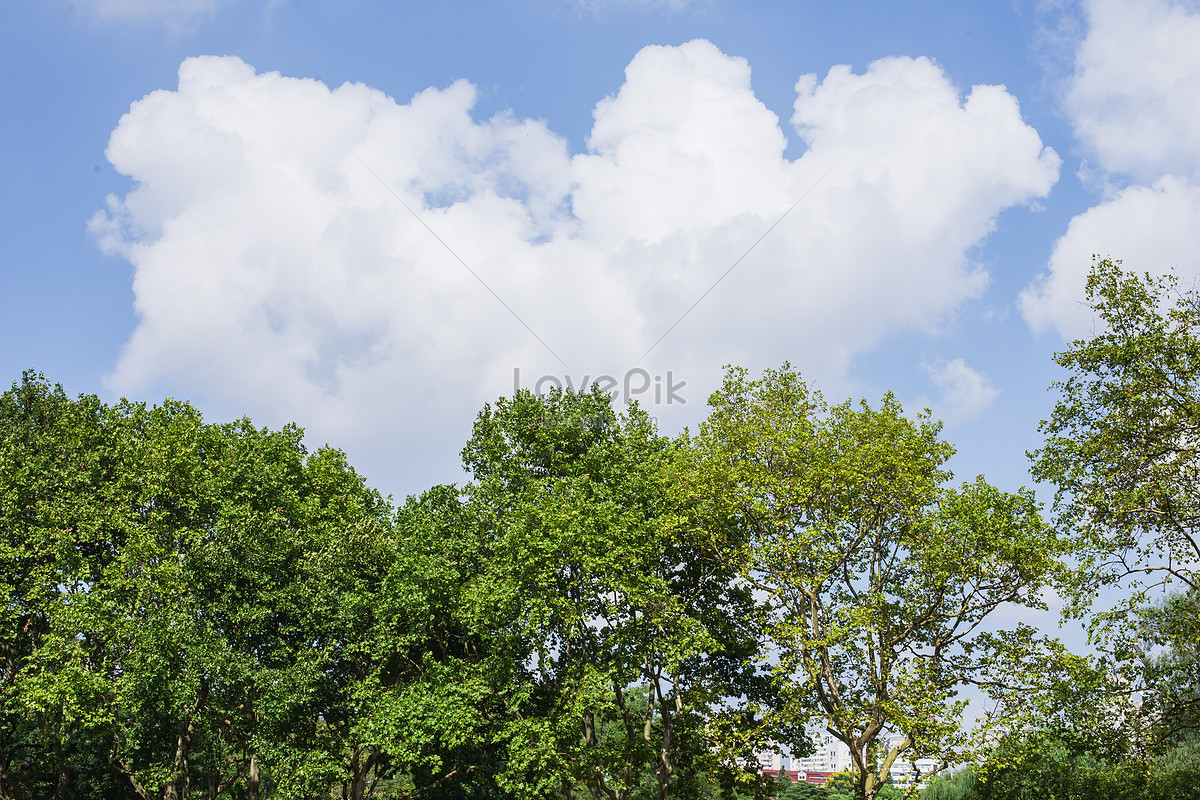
[
  {"x": 831, "y": 755},
  {"x": 769, "y": 760}
]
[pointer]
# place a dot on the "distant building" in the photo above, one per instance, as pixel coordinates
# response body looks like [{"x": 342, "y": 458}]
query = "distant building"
[
  {"x": 769, "y": 761},
  {"x": 831, "y": 755}
]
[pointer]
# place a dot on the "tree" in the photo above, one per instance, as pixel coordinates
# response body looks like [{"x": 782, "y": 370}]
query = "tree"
[
  {"x": 630, "y": 635},
  {"x": 879, "y": 577},
  {"x": 956, "y": 785},
  {"x": 1167, "y": 639},
  {"x": 1122, "y": 450},
  {"x": 800, "y": 790},
  {"x": 1123, "y": 442},
  {"x": 441, "y": 667},
  {"x": 172, "y": 621},
  {"x": 56, "y": 538},
  {"x": 1065, "y": 763},
  {"x": 1054, "y": 763}
]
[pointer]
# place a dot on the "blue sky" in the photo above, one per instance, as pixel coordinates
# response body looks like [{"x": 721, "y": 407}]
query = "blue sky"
[{"x": 290, "y": 210}]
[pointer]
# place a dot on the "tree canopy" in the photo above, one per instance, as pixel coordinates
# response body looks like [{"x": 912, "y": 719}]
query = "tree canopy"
[
  {"x": 1123, "y": 442},
  {"x": 171, "y": 617},
  {"x": 199, "y": 610},
  {"x": 879, "y": 575},
  {"x": 1122, "y": 450},
  {"x": 631, "y": 632}
]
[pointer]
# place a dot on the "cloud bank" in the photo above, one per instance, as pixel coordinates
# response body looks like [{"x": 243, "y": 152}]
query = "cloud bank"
[
  {"x": 279, "y": 272},
  {"x": 1131, "y": 100}
]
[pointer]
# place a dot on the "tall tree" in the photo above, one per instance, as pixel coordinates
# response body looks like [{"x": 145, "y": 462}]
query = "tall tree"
[
  {"x": 58, "y": 532},
  {"x": 173, "y": 625},
  {"x": 440, "y": 670},
  {"x": 1123, "y": 443},
  {"x": 881, "y": 579},
  {"x": 631, "y": 633},
  {"x": 1122, "y": 450}
]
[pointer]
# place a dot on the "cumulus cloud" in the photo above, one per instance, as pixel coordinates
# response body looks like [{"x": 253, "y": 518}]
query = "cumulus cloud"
[
  {"x": 278, "y": 272},
  {"x": 1130, "y": 99},
  {"x": 1151, "y": 228},
  {"x": 965, "y": 393}
]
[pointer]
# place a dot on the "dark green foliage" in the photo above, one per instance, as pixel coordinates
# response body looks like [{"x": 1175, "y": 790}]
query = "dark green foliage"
[
  {"x": 173, "y": 623},
  {"x": 629, "y": 631},
  {"x": 1064, "y": 764}
]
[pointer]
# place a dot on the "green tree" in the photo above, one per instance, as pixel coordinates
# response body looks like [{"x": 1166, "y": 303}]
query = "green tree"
[
  {"x": 1122, "y": 449},
  {"x": 800, "y": 790},
  {"x": 631, "y": 634},
  {"x": 879, "y": 576},
  {"x": 174, "y": 622},
  {"x": 843, "y": 782},
  {"x": 956, "y": 785},
  {"x": 1167, "y": 645},
  {"x": 1123, "y": 442},
  {"x": 442, "y": 670},
  {"x": 58, "y": 533},
  {"x": 1058, "y": 763}
]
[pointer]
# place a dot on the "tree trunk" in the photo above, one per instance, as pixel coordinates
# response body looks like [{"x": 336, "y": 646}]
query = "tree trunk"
[
  {"x": 141, "y": 791},
  {"x": 8, "y": 790},
  {"x": 252, "y": 777},
  {"x": 62, "y": 784}
]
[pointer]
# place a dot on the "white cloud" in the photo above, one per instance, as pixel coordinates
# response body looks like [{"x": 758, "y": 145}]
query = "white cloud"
[
  {"x": 1151, "y": 228},
  {"x": 965, "y": 393},
  {"x": 1133, "y": 96},
  {"x": 175, "y": 14},
  {"x": 277, "y": 275},
  {"x": 1132, "y": 103}
]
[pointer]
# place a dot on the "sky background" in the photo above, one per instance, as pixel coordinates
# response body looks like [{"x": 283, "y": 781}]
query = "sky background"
[{"x": 371, "y": 218}]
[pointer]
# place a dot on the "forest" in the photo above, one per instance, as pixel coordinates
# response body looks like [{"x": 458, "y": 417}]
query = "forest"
[{"x": 200, "y": 610}]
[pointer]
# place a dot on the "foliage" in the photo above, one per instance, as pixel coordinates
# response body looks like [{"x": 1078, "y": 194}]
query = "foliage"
[
  {"x": 843, "y": 782},
  {"x": 956, "y": 785},
  {"x": 1067, "y": 764},
  {"x": 629, "y": 633},
  {"x": 436, "y": 662},
  {"x": 1121, "y": 444},
  {"x": 800, "y": 790},
  {"x": 49, "y": 549},
  {"x": 1170, "y": 633},
  {"x": 1121, "y": 450},
  {"x": 878, "y": 575},
  {"x": 173, "y": 625},
  {"x": 211, "y": 610}
]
